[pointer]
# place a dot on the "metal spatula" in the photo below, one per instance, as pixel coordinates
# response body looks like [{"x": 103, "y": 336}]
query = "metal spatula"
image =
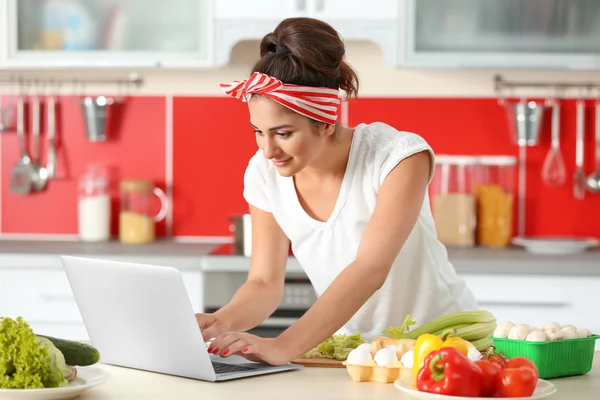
[{"x": 20, "y": 177}]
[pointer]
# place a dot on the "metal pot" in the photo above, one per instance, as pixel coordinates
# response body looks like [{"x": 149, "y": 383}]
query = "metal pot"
[{"x": 241, "y": 227}]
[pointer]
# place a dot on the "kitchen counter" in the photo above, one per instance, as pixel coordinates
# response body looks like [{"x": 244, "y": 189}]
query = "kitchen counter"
[
  {"x": 200, "y": 256},
  {"x": 42, "y": 253},
  {"x": 308, "y": 383}
]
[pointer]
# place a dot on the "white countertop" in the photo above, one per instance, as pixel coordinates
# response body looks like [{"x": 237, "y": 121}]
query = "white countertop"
[
  {"x": 308, "y": 383},
  {"x": 200, "y": 256}
]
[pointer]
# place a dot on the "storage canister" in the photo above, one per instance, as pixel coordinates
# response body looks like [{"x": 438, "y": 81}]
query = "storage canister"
[
  {"x": 136, "y": 219},
  {"x": 453, "y": 200},
  {"x": 94, "y": 205},
  {"x": 495, "y": 193}
]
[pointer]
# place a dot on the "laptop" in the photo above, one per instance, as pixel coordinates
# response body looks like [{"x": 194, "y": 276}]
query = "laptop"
[{"x": 140, "y": 316}]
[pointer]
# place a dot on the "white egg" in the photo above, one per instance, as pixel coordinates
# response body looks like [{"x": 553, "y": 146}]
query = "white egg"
[
  {"x": 365, "y": 347},
  {"x": 385, "y": 357},
  {"x": 392, "y": 347},
  {"x": 359, "y": 357},
  {"x": 408, "y": 359}
]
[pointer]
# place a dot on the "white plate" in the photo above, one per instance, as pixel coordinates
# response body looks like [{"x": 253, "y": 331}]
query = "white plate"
[
  {"x": 543, "y": 389},
  {"x": 556, "y": 245},
  {"x": 87, "y": 378}
]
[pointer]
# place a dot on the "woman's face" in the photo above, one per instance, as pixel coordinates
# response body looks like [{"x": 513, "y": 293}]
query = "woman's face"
[{"x": 290, "y": 140}]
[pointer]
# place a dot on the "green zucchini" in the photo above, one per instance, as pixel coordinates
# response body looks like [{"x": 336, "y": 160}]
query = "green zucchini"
[{"x": 76, "y": 353}]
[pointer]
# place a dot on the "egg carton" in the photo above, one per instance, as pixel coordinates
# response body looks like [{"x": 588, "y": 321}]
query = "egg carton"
[{"x": 371, "y": 371}]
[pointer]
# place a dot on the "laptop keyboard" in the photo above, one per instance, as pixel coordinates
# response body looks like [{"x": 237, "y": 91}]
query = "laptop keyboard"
[{"x": 222, "y": 368}]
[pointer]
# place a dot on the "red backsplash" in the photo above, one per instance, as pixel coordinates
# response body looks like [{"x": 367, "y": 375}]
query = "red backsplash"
[
  {"x": 136, "y": 149},
  {"x": 212, "y": 143},
  {"x": 480, "y": 126}
]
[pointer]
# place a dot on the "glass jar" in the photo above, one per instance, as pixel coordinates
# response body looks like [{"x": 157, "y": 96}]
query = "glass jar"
[
  {"x": 93, "y": 206},
  {"x": 453, "y": 201},
  {"x": 136, "y": 220},
  {"x": 495, "y": 192}
]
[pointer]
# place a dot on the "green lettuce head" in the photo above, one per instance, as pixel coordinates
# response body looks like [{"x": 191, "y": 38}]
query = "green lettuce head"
[{"x": 28, "y": 361}]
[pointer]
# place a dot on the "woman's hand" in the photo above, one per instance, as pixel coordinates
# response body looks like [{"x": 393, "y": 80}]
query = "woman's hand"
[
  {"x": 211, "y": 325},
  {"x": 251, "y": 347}
]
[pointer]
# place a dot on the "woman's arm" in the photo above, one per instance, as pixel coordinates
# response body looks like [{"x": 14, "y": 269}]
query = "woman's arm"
[
  {"x": 399, "y": 203},
  {"x": 260, "y": 295}
]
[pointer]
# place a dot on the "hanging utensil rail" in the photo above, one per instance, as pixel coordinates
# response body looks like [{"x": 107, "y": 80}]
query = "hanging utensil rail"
[
  {"x": 500, "y": 83},
  {"x": 134, "y": 79}
]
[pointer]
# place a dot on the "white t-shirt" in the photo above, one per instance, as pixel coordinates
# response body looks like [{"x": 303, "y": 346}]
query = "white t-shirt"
[{"x": 421, "y": 282}]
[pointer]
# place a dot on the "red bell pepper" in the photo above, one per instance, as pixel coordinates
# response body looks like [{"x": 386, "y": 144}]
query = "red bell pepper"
[
  {"x": 448, "y": 371},
  {"x": 518, "y": 378}
]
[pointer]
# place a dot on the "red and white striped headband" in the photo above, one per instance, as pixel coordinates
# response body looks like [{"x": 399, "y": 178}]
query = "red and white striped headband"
[{"x": 319, "y": 103}]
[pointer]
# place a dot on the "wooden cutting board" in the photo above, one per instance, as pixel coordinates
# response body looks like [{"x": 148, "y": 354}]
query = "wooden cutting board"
[{"x": 319, "y": 362}]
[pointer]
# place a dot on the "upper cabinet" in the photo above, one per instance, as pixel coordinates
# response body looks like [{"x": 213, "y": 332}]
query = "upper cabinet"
[
  {"x": 535, "y": 34},
  {"x": 106, "y": 33},
  {"x": 238, "y": 20},
  {"x": 257, "y": 10},
  {"x": 555, "y": 34}
]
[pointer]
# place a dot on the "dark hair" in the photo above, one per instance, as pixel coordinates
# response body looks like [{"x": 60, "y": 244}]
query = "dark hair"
[{"x": 307, "y": 52}]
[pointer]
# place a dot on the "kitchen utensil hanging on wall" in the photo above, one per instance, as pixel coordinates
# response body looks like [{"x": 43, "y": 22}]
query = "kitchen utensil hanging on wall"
[
  {"x": 51, "y": 116},
  {"x": 20, "y": 177},
  {"x": 593, "y": 180},
  {"x": 39, "y": 174},
  {"x": 525, "y": 120},
  {"x": 553, "y": 169},
  {"x": 97, "y": 112},
  {"x": 579, "y": 185}
]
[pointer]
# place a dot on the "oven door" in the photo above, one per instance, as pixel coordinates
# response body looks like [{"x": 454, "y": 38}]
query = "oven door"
[
  {"x": 272, "y": 327},
  {"x": 299, "y": 295}
]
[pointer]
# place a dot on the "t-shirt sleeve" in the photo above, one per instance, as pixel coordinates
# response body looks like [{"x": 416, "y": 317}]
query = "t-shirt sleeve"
[
  {"x": 255, "y": 184},
  {"x": 409, "y": 144}
]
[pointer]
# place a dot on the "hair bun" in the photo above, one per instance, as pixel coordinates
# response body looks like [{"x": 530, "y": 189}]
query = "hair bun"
[{"x": 316, "y": 55}]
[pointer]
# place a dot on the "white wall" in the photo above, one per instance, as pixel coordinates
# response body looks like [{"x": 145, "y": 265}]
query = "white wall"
[{"x": 376, "y": 78}]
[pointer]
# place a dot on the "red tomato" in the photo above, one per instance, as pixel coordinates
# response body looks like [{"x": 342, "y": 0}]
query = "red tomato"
[
  {"x": 495, "y": 358},
  {"x": 491, "y": 372},
  {"x": 519, "y": 362},
  {"x": 518, "y": 378}
]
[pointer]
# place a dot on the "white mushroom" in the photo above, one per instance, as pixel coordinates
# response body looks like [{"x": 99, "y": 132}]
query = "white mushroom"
[
  {"x": 583, "y": 332},
  {"x": 518, "y": 332},
  {"x": 552, "y": 327},
  {"x": 502, "y": 329},
  {"x": 556, "y": 335},
  {"x": 536, "y": 336},
  {"x": 568, "y": 333}
]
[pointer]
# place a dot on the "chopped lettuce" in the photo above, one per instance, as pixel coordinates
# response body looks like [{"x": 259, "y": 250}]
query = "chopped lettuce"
[
  {"x": 336, "y": 347},
  {"x": 27, "y": 361}
]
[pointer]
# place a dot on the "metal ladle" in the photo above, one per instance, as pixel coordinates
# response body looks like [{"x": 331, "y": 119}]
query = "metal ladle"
[{"x": 593, "y": 180}]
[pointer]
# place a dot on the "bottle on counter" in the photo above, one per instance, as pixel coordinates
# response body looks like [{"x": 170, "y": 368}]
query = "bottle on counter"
[
  {"x": 94, "y": 205},
  {"x": 136, "y": 220}
]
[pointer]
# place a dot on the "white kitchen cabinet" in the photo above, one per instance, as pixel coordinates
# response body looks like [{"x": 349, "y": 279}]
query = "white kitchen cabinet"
[
  {"x": 43, "y": 297},
  {"x": 257, "y": 10},
  {"x": 238, "y": 20},
  {"x": 354, "y": 10},
  {"x": 106, "y": 33},
  {"x": 500, "y": 34},
  {"x": 537, "y": 300}
]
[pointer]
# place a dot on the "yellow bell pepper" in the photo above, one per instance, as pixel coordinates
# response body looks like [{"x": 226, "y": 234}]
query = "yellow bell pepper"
[{"x": 426, "y": 343}]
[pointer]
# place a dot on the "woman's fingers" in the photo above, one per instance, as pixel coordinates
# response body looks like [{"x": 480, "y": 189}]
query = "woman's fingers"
[
  {"x": 222, "y": 342},
  {"x": 239, "y": 346},
  {"x": 251, "y": 349}
]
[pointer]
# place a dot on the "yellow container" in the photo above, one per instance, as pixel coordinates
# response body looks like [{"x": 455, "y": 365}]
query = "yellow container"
[{"x": 371, "y": 372}]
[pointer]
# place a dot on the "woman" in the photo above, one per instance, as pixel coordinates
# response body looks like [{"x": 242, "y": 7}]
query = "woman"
[{"x": 352, "y": 201}]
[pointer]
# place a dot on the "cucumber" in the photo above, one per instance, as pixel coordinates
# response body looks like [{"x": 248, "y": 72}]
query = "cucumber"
[{"x": 76, "y": 353}]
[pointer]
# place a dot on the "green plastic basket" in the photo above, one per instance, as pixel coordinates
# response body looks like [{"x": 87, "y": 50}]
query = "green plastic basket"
[{"x": 555, "y": 358}]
